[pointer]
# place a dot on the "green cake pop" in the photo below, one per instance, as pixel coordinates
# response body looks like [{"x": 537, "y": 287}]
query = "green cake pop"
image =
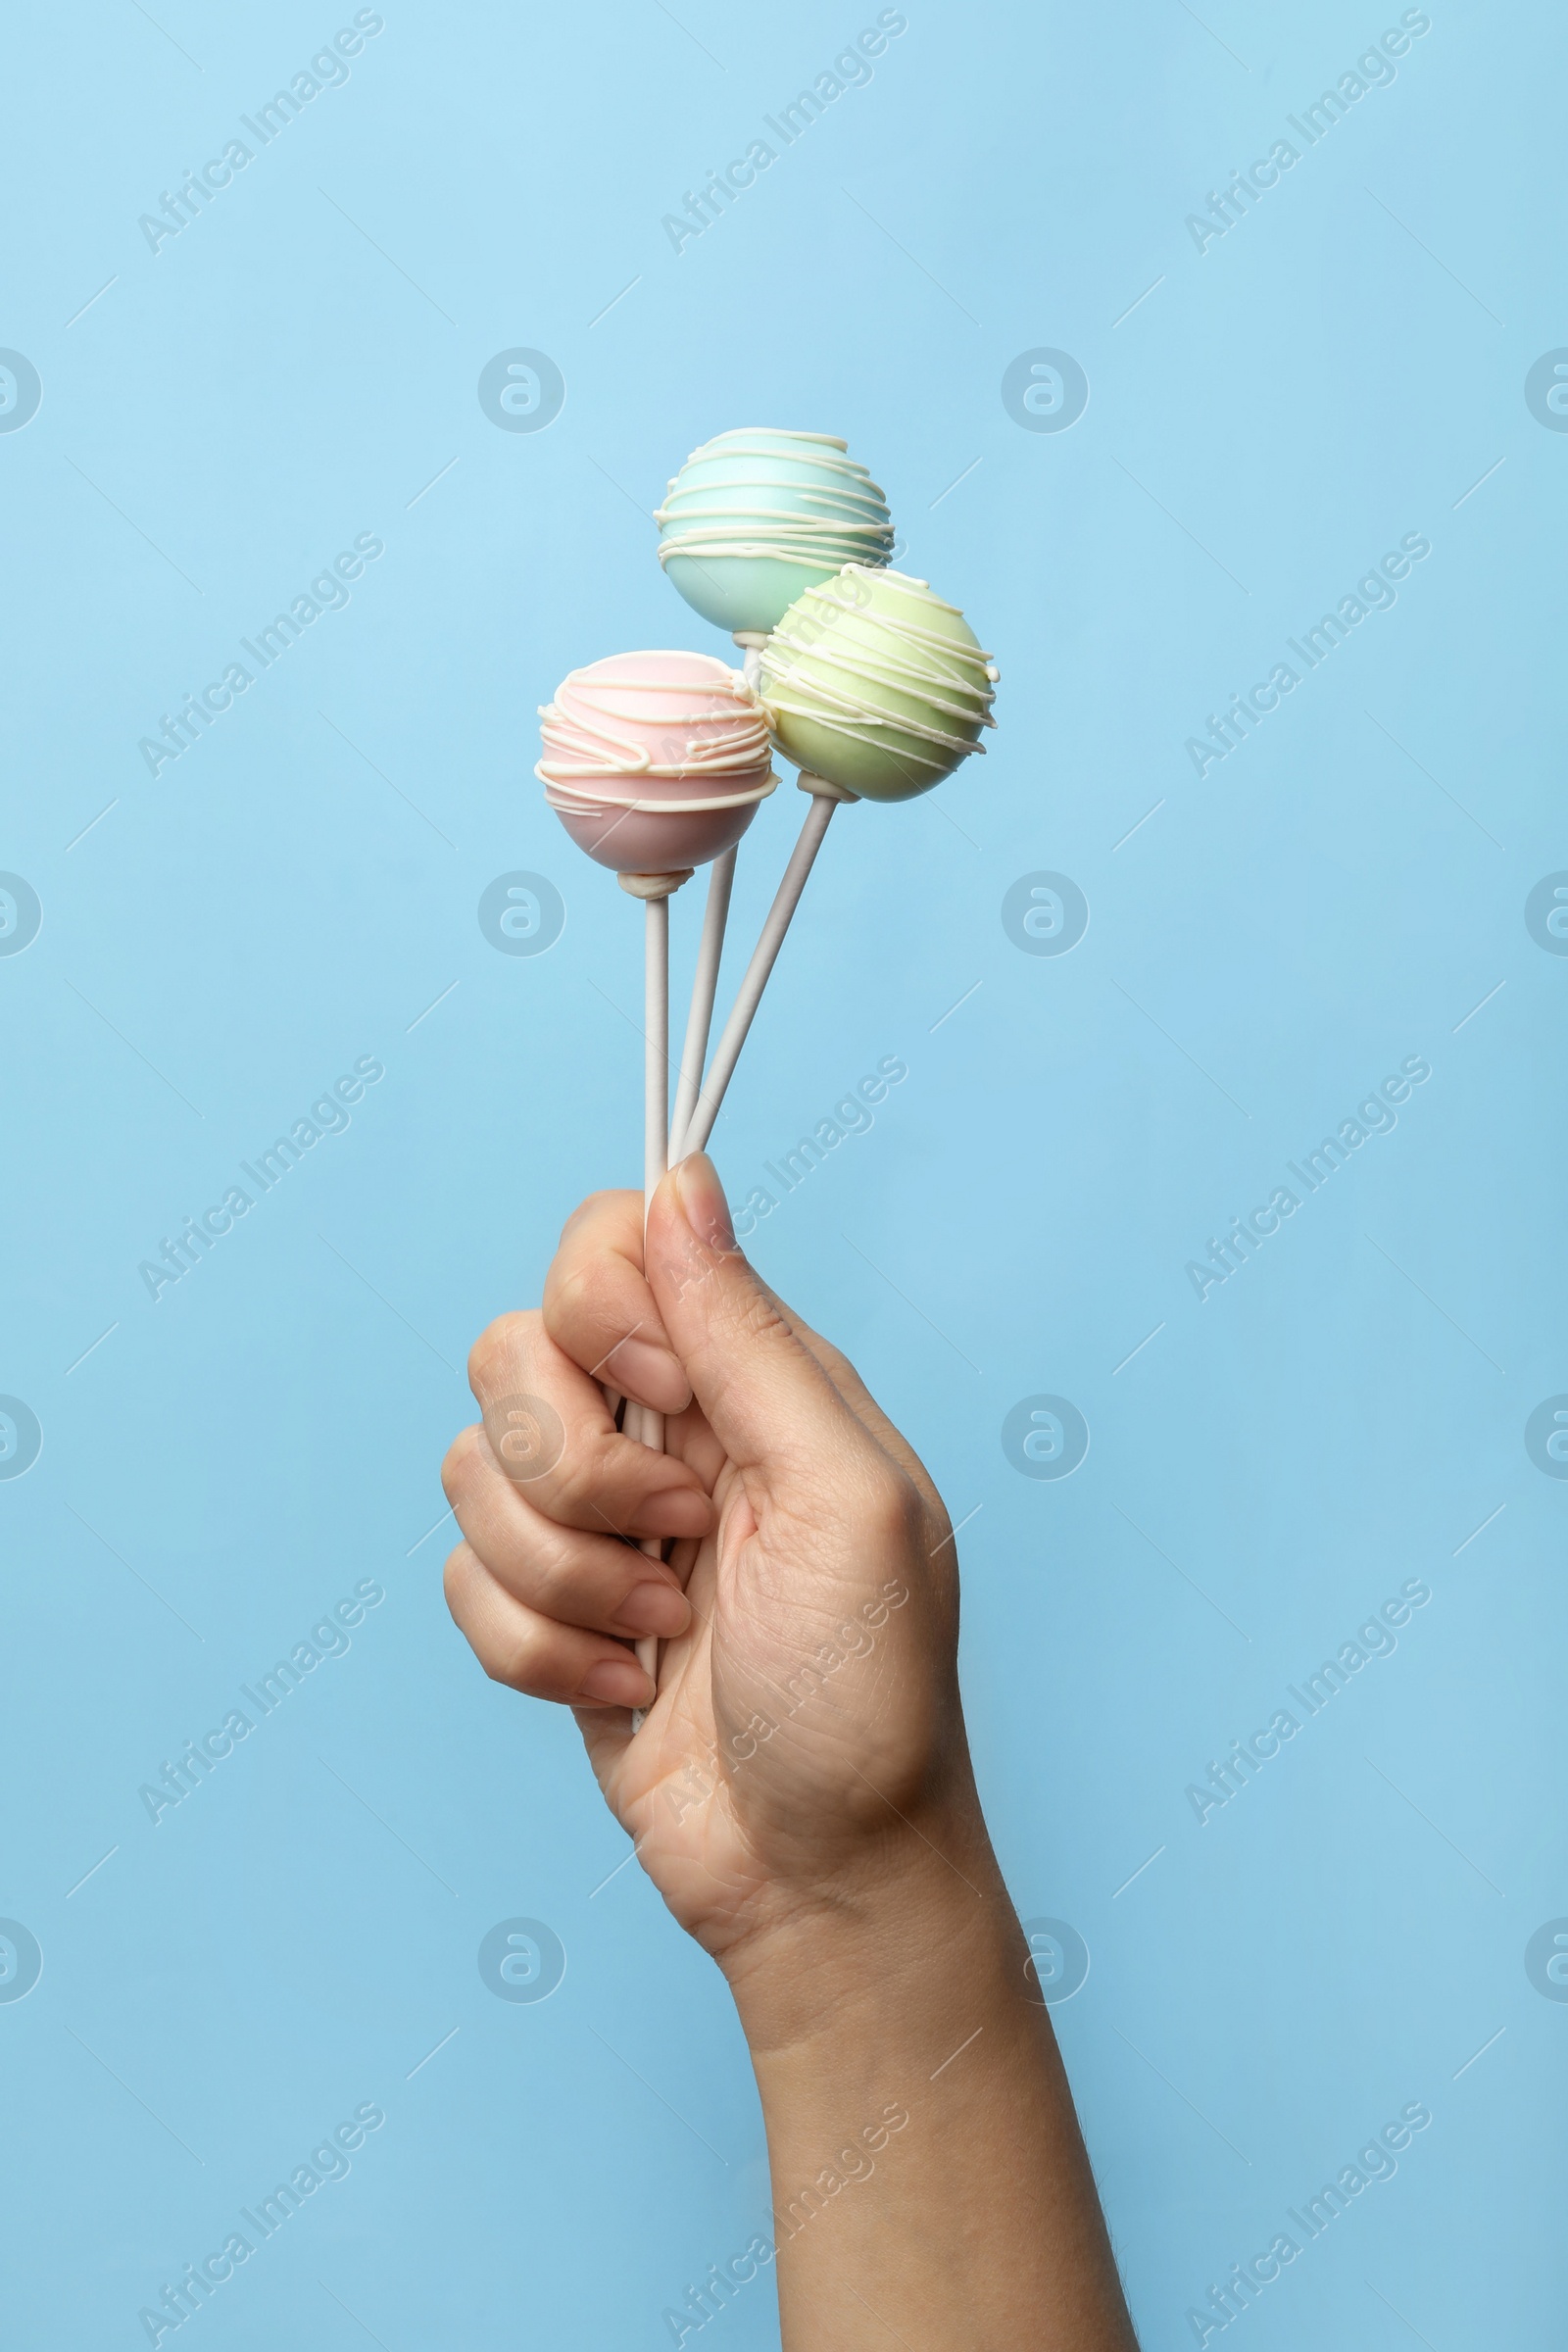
[{"x": 876, "y": 684}]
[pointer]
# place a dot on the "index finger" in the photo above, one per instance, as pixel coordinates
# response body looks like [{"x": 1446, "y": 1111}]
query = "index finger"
[{"x": 599, "y": 1310}]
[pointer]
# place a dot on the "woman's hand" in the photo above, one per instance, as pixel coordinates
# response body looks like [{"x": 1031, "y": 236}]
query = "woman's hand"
[
  {"x": 800, "y": 1791},
  {"x": 806, "y": 1719}
]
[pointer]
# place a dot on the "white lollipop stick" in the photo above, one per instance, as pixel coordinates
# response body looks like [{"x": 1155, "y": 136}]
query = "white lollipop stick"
[
  {"x": 640, "y": 1420},
  {"x": 825, "y": 797},
  {"x": 704, "y": 986},
  {"x": 711, "y": 950},
  {"x": 656, "y": 1061},
  {"x": 655, "y": 1158}
]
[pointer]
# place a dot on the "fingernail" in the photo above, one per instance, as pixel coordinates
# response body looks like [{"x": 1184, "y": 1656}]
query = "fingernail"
[
  {"x": 618, "y": 1685},
  {"x": 650, "y": 1374},
  {"x": 654, "y": 1609},
  {"x": 673, "y": 1511},
  {"x": 702, "y": 1197}
]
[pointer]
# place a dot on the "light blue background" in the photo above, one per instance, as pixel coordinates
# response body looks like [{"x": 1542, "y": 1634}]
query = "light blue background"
[{"x": 294, "y": 368}]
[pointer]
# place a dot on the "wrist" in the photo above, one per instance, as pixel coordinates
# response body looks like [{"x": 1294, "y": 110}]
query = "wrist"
[{"x": 882, "y": 1952}]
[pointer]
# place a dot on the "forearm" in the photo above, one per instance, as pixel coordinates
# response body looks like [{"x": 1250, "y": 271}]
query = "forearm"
[{"x": 929, "y": 2178}]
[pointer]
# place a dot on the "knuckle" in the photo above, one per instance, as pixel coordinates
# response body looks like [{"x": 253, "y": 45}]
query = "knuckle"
[
  {"x": 457, "y": 1577},
  {"x": 598, "y": 1208},
  {"x": 758, "y": 1319},
  {"x": 837, "y": 1365},
  {"x": 893, "y": 1509},
  {"x": 584, "y": 1485},
  {"x": 519, "y": 1664},
  {"x": 463, "y": 1458},
  {"x": 554, "y": 1580},
  {"x": 593, "y": 1305},
  {"x": 499, "y": 1346},
  {"x": 569, "y": 1296},
  {"x": 506, "y": 1667}
]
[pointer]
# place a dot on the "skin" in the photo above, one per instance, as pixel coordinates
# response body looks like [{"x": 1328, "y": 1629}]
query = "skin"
[{"x": 800, "y": 1791}]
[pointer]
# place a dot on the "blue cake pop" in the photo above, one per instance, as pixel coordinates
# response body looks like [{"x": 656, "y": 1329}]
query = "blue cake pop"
[{"x": 758, "y": 516}]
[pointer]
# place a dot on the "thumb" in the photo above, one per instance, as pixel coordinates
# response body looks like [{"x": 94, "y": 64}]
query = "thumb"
[{"x": 768, "y": 1401}]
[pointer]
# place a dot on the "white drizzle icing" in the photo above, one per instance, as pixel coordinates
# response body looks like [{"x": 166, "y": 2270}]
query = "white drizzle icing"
[
  {"x": 845, "y": 515},
  {"x": 952, "y": 681},
  {"x": 595, "y": 754}
]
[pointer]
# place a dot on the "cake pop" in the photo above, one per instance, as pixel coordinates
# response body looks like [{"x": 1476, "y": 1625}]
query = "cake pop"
[
  {"x": 757, "y": 515},
  {"x": 877, "y": 684},
  {"x": 654, "y": 762}
]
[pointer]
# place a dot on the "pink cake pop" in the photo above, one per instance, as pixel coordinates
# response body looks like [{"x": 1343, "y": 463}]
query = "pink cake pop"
[{"x": 655, "y": 762}]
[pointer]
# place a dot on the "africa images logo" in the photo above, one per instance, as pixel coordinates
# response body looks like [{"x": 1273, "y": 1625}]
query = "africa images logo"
[
  {"x": 1044, "y": 1437},
  {"x": 521, "y": 1960}
]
